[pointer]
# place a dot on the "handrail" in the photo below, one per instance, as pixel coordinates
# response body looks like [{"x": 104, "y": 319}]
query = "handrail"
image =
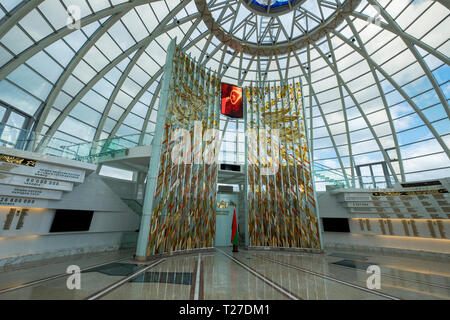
[
  {"x": 91, "y": 152},
  {"x": 22, "y": 139},
  {"x": 134, "y": 205},
  {"x": 361, "y": 182}
]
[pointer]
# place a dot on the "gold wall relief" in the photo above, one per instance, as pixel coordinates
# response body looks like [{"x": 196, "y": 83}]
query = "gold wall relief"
[
  {"x": 383, "y": 230},
  {"x": 431, "y": 228},
  {"x": 383, "y": 215},
  {"x": 22, "y": 216},
  {"x": 282, "y": 209},
  {"x": 9, "y": 219},
  {"x": 369, "y": 228},
  {"x": 361, "y": 225},
  {"x": 405, "y": 227},
  {"x": 184, "y": 207},
  {"x": 441, "y": 229},
  {"x": 223, "y": 205},
  {"x": 17, "y": 160},
  {"x": 390, "y": 228},
  {"x": 414, "y": 228}
]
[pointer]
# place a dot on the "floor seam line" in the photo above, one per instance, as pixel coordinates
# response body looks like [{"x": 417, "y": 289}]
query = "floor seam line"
[
  {"x": 197, "y": 278},
  {"x": 270, "y": 282},
  {"x": 61, "y": 275},
  {"x": 121, "y": 282},
  {"x": 330, "y": 278},
  {"x": 398, "y": 278}
]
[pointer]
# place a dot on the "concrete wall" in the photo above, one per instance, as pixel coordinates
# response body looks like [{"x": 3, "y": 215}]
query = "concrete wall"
[
  {"x": 330, "y": 207},
  {"x": 380, "y": 243},
  {"x": 124, "y": 189}
]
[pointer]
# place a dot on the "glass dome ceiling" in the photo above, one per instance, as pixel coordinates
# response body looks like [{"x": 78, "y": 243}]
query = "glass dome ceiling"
[
  {"x": 270, "y": 7},
  {"x": 282, "y": 27},
  {"x": 375, "y": 80}
]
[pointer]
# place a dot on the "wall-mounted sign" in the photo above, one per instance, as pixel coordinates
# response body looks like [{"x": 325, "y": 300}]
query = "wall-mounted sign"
[
  {"x": 232, "y": 105},
  {"x": 6, "y": 190},
  {"x": 10, "y": 217},
  {"x": 421, "y": 184},
  {"x": 17, "y": 180},
  {"x": 44, "y": 170},
  {"x": 23, "y": 202},
  {"x": 356, "y": 197},
  {"x": 17, "y": 160}
]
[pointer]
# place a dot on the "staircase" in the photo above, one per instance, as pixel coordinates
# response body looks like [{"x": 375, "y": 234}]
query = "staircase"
[
  {"x": 103, "y": 150},
  {"x": 330, "y": 175},
  {"x": 134, "y": 205}
]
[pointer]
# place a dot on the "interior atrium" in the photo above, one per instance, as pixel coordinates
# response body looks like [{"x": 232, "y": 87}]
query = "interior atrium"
[{"x": 225, "y": 150}]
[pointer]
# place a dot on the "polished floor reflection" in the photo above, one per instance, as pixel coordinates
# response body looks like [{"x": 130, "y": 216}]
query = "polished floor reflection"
[{"x": 232, "y": 276}]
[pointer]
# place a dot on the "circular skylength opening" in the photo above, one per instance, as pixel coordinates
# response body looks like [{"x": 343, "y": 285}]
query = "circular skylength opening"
[
  {"x": 251, "y": 27},
  {"x": 271, "y": 7}
]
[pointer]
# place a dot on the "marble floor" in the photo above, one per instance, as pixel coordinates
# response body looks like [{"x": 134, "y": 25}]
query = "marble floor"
[{"x": 225, "y": 275}]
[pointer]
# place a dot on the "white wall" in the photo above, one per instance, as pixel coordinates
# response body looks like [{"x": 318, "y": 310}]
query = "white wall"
[
  {"x": 28, "y": 248},
  {"x": 126, "y": 189},
  {"x": 359, "y": 241}
]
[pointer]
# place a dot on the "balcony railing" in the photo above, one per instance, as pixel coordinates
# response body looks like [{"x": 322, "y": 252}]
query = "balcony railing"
[
  {"x": 330, "y": 176},
  {"x": 93, "y": 152}
]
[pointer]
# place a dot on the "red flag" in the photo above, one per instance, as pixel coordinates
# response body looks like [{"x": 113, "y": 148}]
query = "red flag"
[{"x": 234, "y": 235}]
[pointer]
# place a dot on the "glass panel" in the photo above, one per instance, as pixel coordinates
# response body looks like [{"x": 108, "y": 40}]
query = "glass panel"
[{"x": 16, "y": 120}]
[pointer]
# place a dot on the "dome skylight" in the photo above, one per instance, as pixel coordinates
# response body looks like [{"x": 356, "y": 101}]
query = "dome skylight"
[
  {"x": 265, "y": 28},
  {"x": 271, "y": 7}
]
